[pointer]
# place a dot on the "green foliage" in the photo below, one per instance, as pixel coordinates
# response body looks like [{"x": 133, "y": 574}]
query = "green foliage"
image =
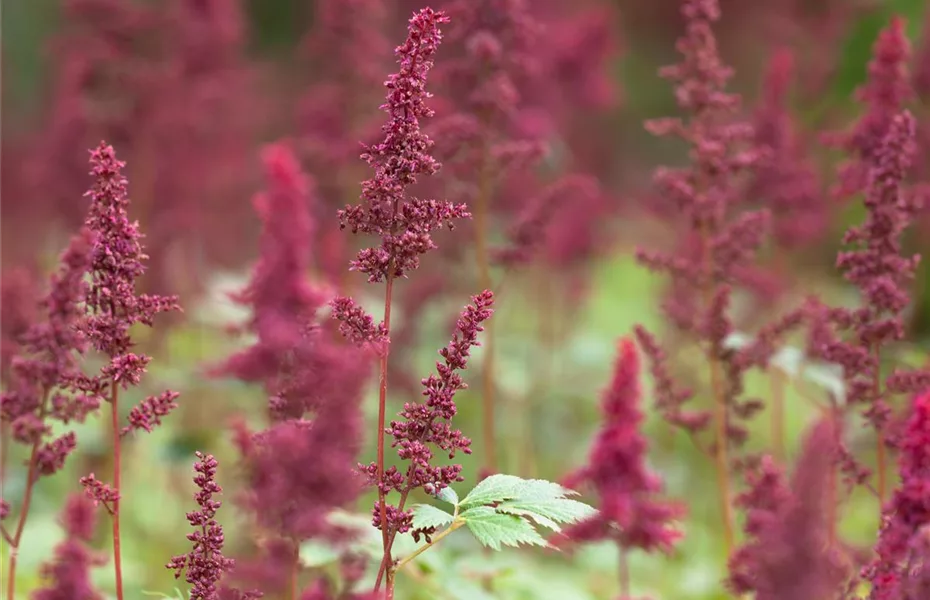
[
  {"x": 493, "y": 528},
  {"x": 426, "y": 515},
  {"x": 504, "y": 510}
]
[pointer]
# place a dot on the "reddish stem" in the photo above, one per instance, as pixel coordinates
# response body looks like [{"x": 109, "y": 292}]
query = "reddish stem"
[
  {"x": 382, "y": 410},
  {"x": 880, "y": 441},
  {"x": 114, "y": 421},
  {"x": 624, "y": 574},
  {"x": 31, "y": 477}
]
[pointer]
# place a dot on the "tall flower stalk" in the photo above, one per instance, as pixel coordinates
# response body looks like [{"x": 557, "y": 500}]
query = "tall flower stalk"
[
  {"x": 403, "y": 223},
  {"x": 717, "y": 246},
  {"x": 42, "y": 376},
  {"x": 113, "y": 307}
]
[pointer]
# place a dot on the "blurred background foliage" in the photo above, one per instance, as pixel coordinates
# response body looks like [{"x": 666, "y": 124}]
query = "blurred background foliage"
[{"x": 550, "y": 391}]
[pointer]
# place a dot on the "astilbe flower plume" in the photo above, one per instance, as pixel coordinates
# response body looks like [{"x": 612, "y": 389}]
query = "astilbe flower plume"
[
  {"x": 168, "y": 85},
  {"x": 885, "y": 93},
  {"x": 112, "y": 307},
  {"x": 17, "y": 311},
  {"x": 878, "y": 268},
  {"x": 42, "y": 386},
  {"x": 426, "y": 425},
  {"x": 787, "y": 554},
  {"x": 67, "y": 575},
  {"x": 901, "y": 560},
  {"x": 205, "y": 564},
  {"x": 718, "y": 242},
  {"x": 629, "y": 512},
  {"x": 403, "y": 223},
  {"x": 299, "y": 469},
  {"x": 785, "y": 182}
]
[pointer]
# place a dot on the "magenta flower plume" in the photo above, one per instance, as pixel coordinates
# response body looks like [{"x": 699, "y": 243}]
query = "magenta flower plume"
[
  {"x": 878, "y": 269},
  {"x": 423, "y": 425},
  {"x": 786, "y": 555},
  {"x": 67, "y": 575},
  {"x": 46, "y": 372},
  {"x": 884, "y": 94},
  {"x": 17, "y": 312},
  {"x": 205, "y": 564},
  {"x": 628, "y": 513},
  {"x": 403, "y": 224},
  {"x": 111, "y": 301},
  {"x": 785, "y": 182},
  {"x": 301, "y": 468},
  {"x": 907, "y": 516},
  {"x": 299, "y": 366},
  {"x": 718, "y": 242}
]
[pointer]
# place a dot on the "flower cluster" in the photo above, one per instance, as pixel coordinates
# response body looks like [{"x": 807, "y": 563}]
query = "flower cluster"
[
  {"x": 45, "y": 373},
  {"x": 716, "y": 246},
  {"x": 205, "y": 564},
  {"x": 68, "y": 574},
  {"x": 788, "y": 554},
  {"x": 885, "y": 93},
  {"x": 616, "y": 469},
  {"x": 899, "y": 560},
  {"x": 877, "y": 267},
  {"x": 403, "y": 224},
  {"x": 428, "y": 423}
]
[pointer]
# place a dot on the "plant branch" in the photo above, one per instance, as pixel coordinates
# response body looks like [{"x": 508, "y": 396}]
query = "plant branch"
[
  {"x": 435, "y": 540},
  {"x": 114, "y": 421}
]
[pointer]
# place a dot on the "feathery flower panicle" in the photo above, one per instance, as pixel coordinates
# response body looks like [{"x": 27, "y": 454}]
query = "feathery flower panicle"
[
  {"x": 898, "y": 564},
  {"x": 17, "y": 312},
  {"x": 44, "y": 376},
  {"x": 429, "y": 423},
  {"x": 205, "y": 565},
  {"x": 718, "y": 243},
  {"x": 628, "y": 513},
  {"x": 117, "y": 261},
  {"x": 878, "y": 269},
  {"x": 785, "y": 182},
  {"x": 403, "y": 223},
  {"x": 299, "y": 469},
  {"x": 68, "y": 573},
  {"x": 787, "y": 555},
  {"x": 885, "y": 94},
  {"x": 299, "y": 366}
]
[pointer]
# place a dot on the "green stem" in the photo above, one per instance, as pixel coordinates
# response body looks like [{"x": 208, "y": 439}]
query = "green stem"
[{"x": 455, "y": 525}]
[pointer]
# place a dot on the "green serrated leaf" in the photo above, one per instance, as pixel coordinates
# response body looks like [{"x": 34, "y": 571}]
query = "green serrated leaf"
[
  {"x": 549, "y": 512},
  {"x": 542, "y": 490},
  {"x": 494, "y": 529},
  {"x": 427, "y": 515},
  {"x": 523, "y": 512},
  {"x": 492, "y": 489},
  {"x": 447, "y": 494}
]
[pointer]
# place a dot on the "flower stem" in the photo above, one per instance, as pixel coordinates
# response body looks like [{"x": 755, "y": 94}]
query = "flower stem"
[
  {"x": 484, "y": 282},
  {"x": 624, "y": 573},
  {"x": 455, "y": 525},
  {"x": 114, "y": 420},
  {"x": 382, "y": 415},
  {"x": 31, "y": 477},
  {"x": 721, "y": 460},
  {"x": 777, "y": 381},
  {"x": 880, "y": 440}
]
